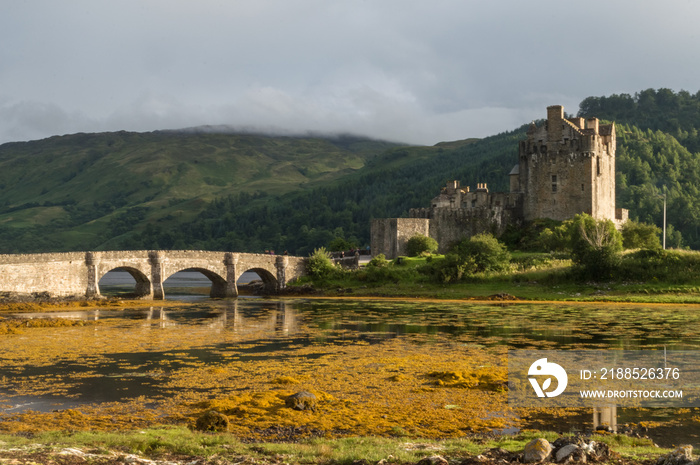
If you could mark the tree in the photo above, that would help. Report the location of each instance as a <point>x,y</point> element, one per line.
<point>486,252</point>
<point>339,244</point>
<point>640,235</point>
<point>419,244</point>
<point>596,246</point>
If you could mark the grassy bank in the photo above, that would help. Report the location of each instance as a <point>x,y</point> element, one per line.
<point>671,278</point>
<point>181,445</point>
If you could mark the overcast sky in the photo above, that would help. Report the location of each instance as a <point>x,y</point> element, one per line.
<point>412,71</point>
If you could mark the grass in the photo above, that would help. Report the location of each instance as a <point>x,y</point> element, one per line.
<point>531,277</point>
<point>179,441</point>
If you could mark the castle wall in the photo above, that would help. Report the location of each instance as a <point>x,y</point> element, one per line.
<point>448,227</point>
<point>389,235</point>
<point>565,167</point>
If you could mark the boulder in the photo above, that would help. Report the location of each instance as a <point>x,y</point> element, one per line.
<point>682,455</point>
<point>212,421</point>
<point>433,460</point>
<point>302,400</point>
<point>565,452</point>
<point>537,451</point>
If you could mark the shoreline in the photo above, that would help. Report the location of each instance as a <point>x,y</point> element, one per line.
<point>26,304</point>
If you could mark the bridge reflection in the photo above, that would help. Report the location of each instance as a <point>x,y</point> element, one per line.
<point>277,318</point>
<point>272,319</point>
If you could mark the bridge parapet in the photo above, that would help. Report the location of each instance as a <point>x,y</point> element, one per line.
<point>79,273</point>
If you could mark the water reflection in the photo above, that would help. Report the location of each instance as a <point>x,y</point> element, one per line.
<point>605,418</point>
<point>252,329</point>
<point>276,319</point>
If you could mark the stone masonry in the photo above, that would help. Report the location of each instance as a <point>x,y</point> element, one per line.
<point>565,167</point>
<point>79,273</point>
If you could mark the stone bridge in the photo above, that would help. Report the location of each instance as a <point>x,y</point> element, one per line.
<point>79,273</point>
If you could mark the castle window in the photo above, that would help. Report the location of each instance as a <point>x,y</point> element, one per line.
<point>582,187</point>
<point>597,163</point>
<point>554,183</point>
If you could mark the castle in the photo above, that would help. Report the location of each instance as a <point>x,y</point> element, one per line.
<point>565,167</point>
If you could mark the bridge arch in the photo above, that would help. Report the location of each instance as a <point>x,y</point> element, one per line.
<point>269,280</point>
<point>78,273</point>
<point>219,285</point>
<point>143,286</point>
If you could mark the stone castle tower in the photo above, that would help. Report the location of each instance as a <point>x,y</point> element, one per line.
<point>565,167</point>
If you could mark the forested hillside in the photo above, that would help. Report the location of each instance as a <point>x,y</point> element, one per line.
<point>657,147</point>
<point>254,193</point>
<point>677,114</point>
<point>79,191</point>
<point>390,185</point>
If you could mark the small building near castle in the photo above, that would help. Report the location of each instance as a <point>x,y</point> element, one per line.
<point>565,167</point>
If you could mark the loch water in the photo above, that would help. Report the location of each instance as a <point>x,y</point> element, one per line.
<point>254,328</point>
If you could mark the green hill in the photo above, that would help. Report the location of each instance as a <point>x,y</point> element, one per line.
<point>253,193</point>
<point>75,192</point>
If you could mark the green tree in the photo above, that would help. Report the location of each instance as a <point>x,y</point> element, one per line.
<point>596,246</point>
<point>419,244</point>
<point>640,235</point>
<point>486,252</point>
<point>556,238</point>
<point>339,244</point>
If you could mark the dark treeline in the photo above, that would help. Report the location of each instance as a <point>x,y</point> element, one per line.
<point>677,114</point>
<point>389,186</point>
<point>657,150</point>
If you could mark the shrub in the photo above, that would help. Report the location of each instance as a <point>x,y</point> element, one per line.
<point>486,252</point>
<point>555,239</point>
<point>419,244</point>
<point>450,269</point>
<point>479,253</point>
<point>596,247</point>
<point>378,261</point>
<point>320,264</point>
<point>529,236</point>
<point>676,266</point>
<point>640,235</point>
<point>382,274</point>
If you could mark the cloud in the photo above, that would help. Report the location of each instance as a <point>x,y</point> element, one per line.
<point>419,72</point>
<point>26,120</point>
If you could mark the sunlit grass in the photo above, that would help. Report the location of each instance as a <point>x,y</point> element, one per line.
<point>184,442</point>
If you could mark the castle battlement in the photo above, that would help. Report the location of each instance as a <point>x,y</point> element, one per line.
<point>565,167</point>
